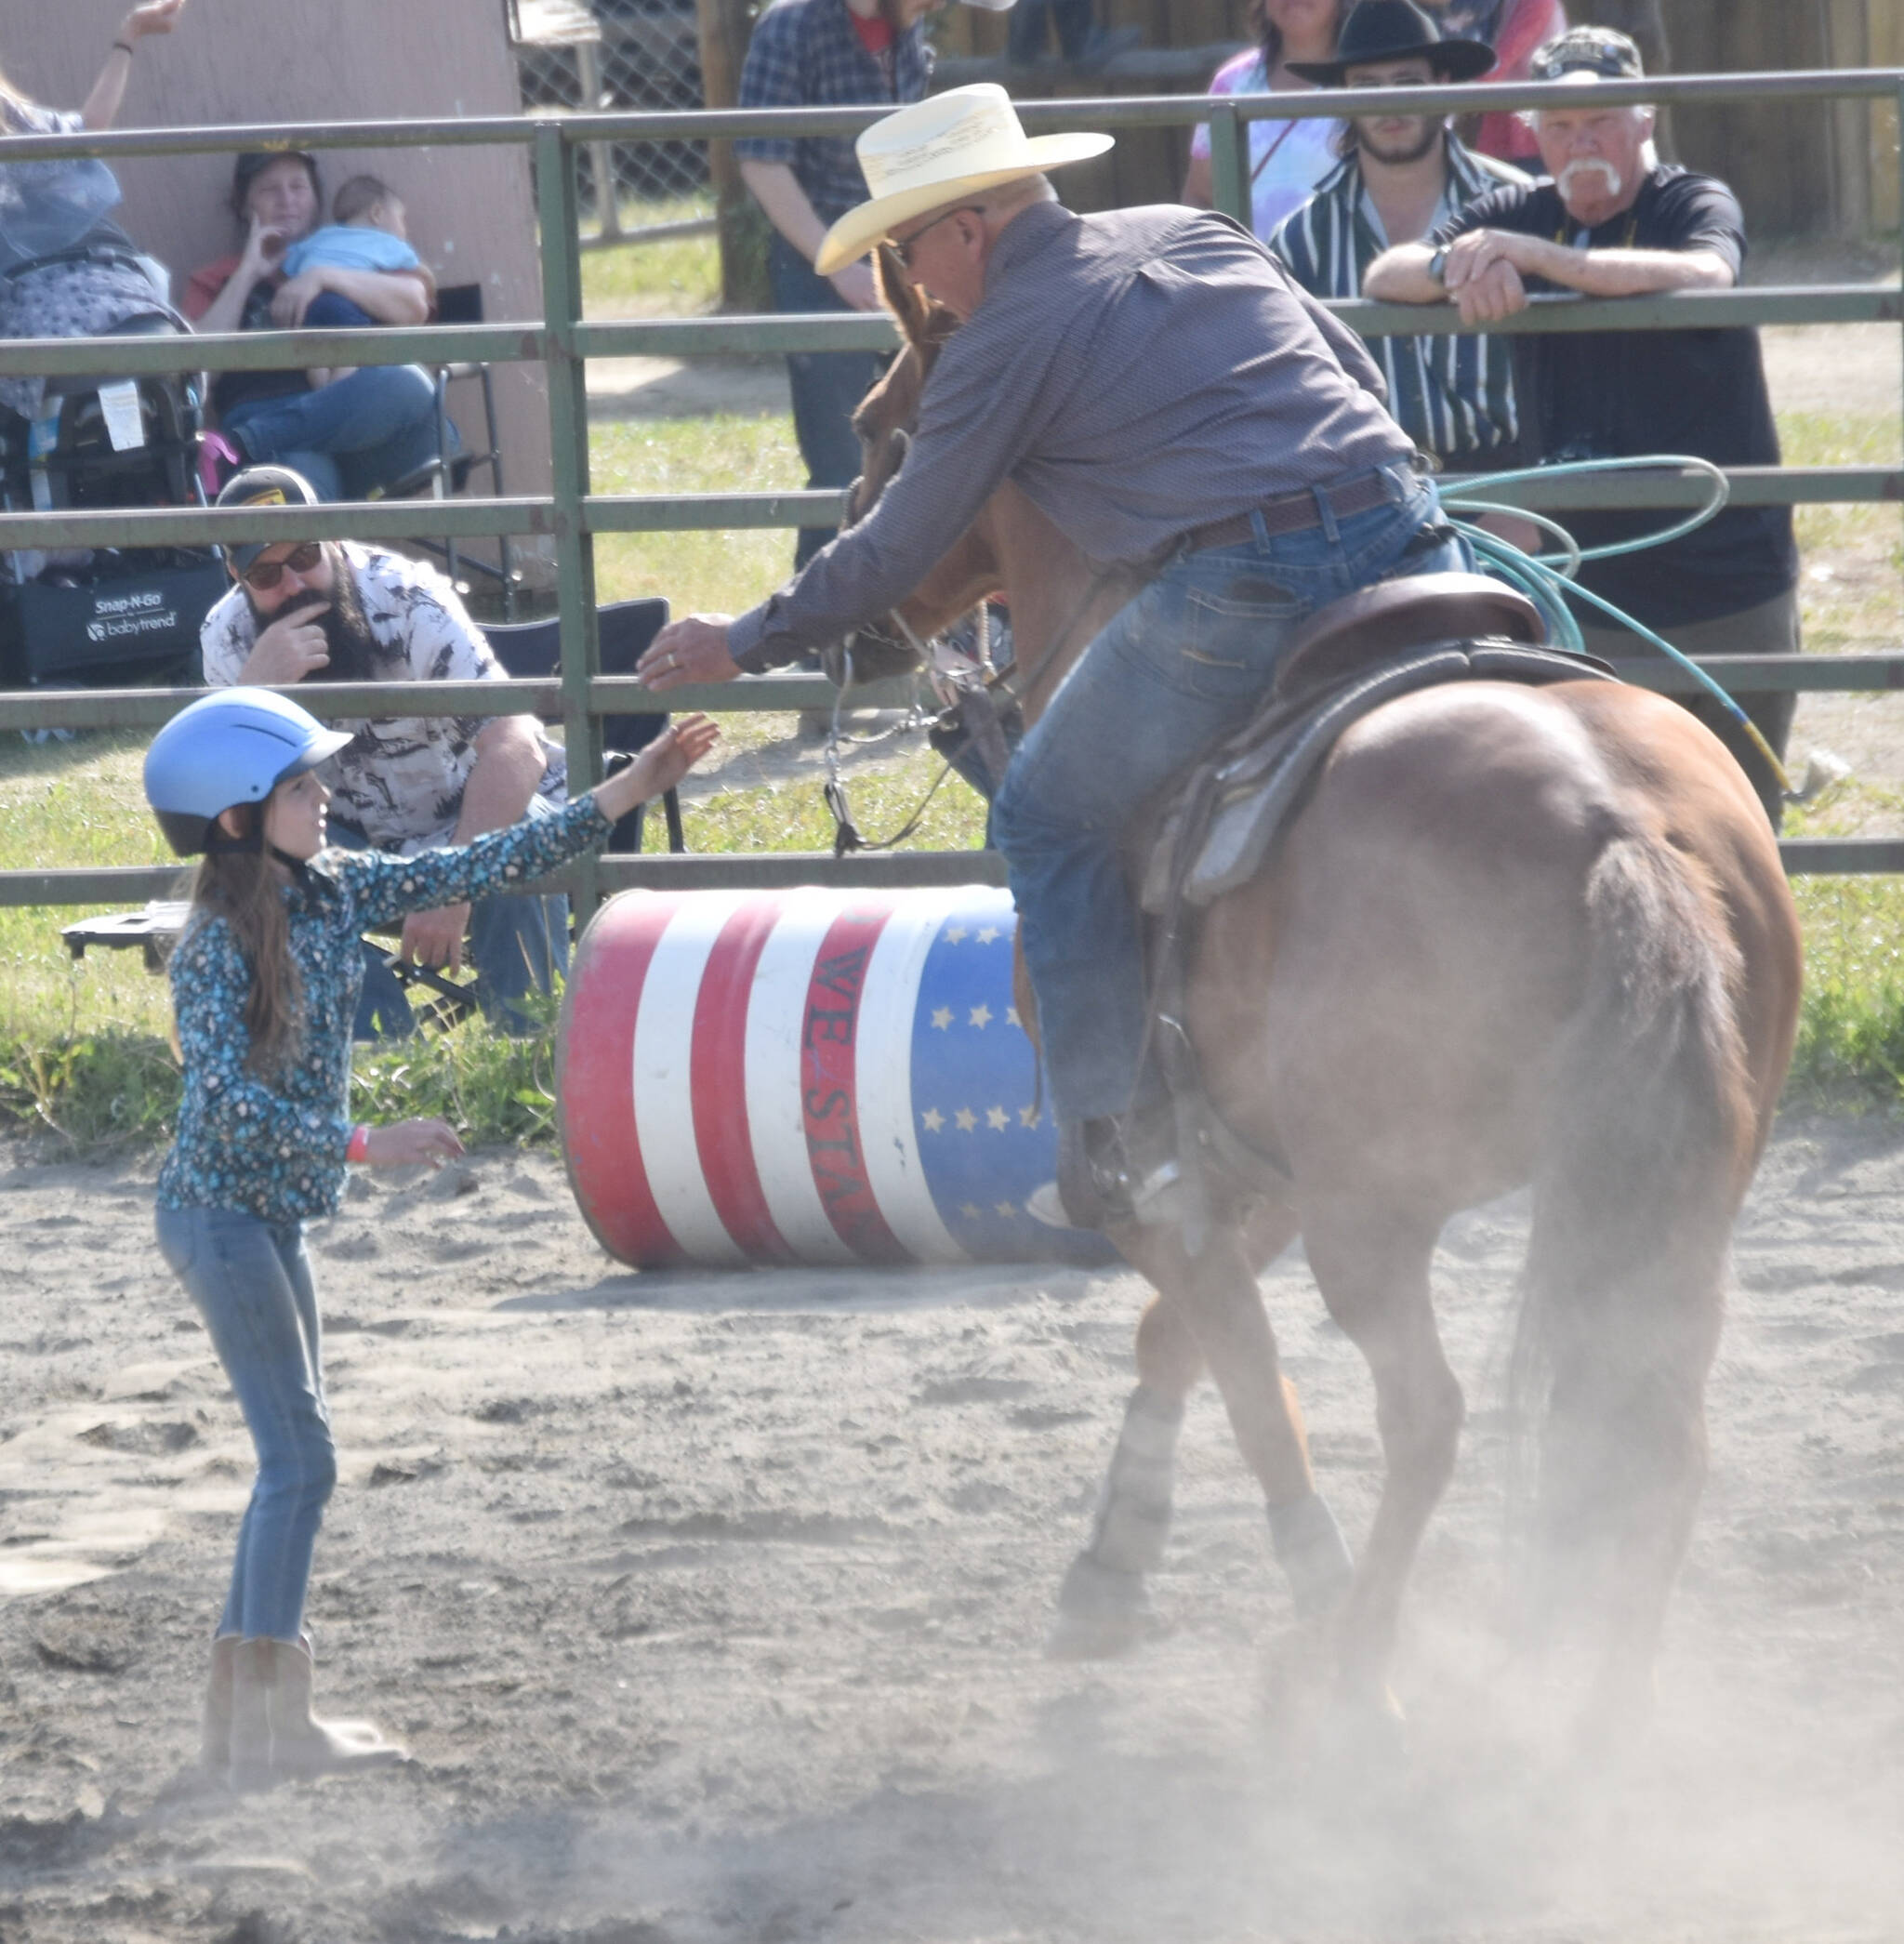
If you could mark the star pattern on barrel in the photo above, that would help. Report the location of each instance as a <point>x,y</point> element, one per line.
<point>983,1139</point>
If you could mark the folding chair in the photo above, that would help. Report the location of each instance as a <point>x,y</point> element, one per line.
<point>532,650</point>
<point>449,472</point>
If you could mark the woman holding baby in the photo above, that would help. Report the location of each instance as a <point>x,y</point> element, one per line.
<point>350,432</point>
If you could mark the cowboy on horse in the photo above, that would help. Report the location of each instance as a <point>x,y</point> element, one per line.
<point>1159,386</point>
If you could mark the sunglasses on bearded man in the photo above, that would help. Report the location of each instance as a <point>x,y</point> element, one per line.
<point>263,575</point>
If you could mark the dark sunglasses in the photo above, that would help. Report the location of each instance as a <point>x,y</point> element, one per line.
<point>265,575</point>
<point>904,250</point>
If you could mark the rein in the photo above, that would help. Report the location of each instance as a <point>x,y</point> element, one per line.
<point>996,693</point>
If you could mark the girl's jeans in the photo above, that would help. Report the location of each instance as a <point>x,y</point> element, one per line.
<point>251,1282</point>
<point>1176,670</point>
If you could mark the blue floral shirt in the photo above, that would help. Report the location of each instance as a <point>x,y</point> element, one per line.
<point>275,1149</point>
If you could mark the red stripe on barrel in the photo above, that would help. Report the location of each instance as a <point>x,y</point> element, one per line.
<point>595,1092</point>
<point>830,1104</point>
<point>723,1136</point>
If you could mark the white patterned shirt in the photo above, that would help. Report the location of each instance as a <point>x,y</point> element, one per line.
<point>400,779</point>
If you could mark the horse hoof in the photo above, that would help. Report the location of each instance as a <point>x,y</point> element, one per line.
<point>1367,1733</point>
<point>1102,1613</point>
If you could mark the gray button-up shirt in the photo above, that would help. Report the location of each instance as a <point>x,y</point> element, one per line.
<point>1137,374</point>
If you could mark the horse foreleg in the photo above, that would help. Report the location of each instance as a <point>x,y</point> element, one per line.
<point>1225,1308</point>
<point>1102,1605</point>
<point>1372,1270</point>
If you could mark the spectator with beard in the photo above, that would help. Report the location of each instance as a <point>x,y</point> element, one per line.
<point>1609,219</point>
<point>336,611</point>
<point>1400,175</point>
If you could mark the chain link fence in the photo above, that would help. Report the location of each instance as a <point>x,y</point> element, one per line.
<point>647,56</point>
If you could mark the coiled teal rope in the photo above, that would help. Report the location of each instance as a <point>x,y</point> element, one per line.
<point>1548,579</point>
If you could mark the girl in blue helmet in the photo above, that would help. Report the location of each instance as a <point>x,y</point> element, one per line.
<point>264,988</point>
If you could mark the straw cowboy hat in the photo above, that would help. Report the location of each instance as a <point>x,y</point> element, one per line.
<point>934,152</point>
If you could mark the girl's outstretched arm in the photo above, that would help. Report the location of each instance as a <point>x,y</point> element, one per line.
<point>386,888</point>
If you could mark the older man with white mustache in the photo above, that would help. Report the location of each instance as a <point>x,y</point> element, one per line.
<point>1610,220</point>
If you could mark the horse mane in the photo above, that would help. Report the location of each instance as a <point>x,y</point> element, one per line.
<point>924,323</point>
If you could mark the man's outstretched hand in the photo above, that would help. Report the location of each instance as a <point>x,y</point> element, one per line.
<point>691,650</point>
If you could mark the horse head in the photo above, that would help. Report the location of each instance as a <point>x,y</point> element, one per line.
<point>884,423</point>
<point>1058,600</point>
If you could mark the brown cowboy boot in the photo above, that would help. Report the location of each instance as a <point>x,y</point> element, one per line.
<point>303,1746</point>
<point>215,1738</point>
<point>248,1763</point>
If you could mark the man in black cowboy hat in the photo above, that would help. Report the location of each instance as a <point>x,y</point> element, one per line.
<point>1399,177</point>
<point>1610,220</point>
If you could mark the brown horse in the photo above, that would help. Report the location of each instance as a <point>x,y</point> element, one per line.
<point>1517,936</point>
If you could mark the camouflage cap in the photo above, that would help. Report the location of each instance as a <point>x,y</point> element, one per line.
<point>1587,50</point>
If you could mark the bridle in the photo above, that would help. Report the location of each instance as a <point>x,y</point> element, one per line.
<point>976,698</point>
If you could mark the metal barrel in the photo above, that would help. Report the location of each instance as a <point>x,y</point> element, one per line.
<point>808,1076</point>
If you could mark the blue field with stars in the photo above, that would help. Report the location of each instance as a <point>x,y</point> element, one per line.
<point>985,1135</point>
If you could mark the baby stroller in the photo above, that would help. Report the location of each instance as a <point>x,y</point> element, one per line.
<point>106,615</point>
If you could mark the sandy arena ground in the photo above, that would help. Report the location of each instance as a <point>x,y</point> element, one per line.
<point>711,1607</point>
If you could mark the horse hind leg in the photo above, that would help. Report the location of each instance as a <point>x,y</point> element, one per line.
<point>1640,1178</point>
<point>1372,1268</point>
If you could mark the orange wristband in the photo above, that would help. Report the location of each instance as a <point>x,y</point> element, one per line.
<point>359,1147</point>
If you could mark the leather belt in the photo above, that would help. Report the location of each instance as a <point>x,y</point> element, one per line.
<point>1291,513</point>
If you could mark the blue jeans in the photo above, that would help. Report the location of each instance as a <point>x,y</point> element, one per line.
<point>351,438</point>
<point>1026,40</point>
<point>1174,671</point>
<point>826,386</point>
<point>328,311</point>
<point>515,944</point>
<point>251,1282</point>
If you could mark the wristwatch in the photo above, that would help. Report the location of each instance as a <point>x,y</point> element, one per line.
<point>1436,265</point>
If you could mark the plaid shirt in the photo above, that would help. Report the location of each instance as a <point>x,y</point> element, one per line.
<point>807,54</point>
<point>1453,395</point>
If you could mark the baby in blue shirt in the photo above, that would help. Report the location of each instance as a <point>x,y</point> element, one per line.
<point>366,232</point>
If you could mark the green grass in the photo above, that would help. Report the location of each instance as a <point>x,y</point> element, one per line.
<point>82,1051</point>
<point>700,573</point>
<point>1851,1035</point>
<point>680,277</point>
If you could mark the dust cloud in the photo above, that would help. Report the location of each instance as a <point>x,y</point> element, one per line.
<point>710,1608</point>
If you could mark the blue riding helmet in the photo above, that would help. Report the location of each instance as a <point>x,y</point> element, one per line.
<point>232,747</point>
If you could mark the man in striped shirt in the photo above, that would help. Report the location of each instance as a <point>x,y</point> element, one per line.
<point>1399,177</point>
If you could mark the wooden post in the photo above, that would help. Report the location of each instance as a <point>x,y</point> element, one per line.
<point>725,27</point>
<point>601,153</point>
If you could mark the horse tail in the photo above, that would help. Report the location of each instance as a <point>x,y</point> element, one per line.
<point>1646,1159</point>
